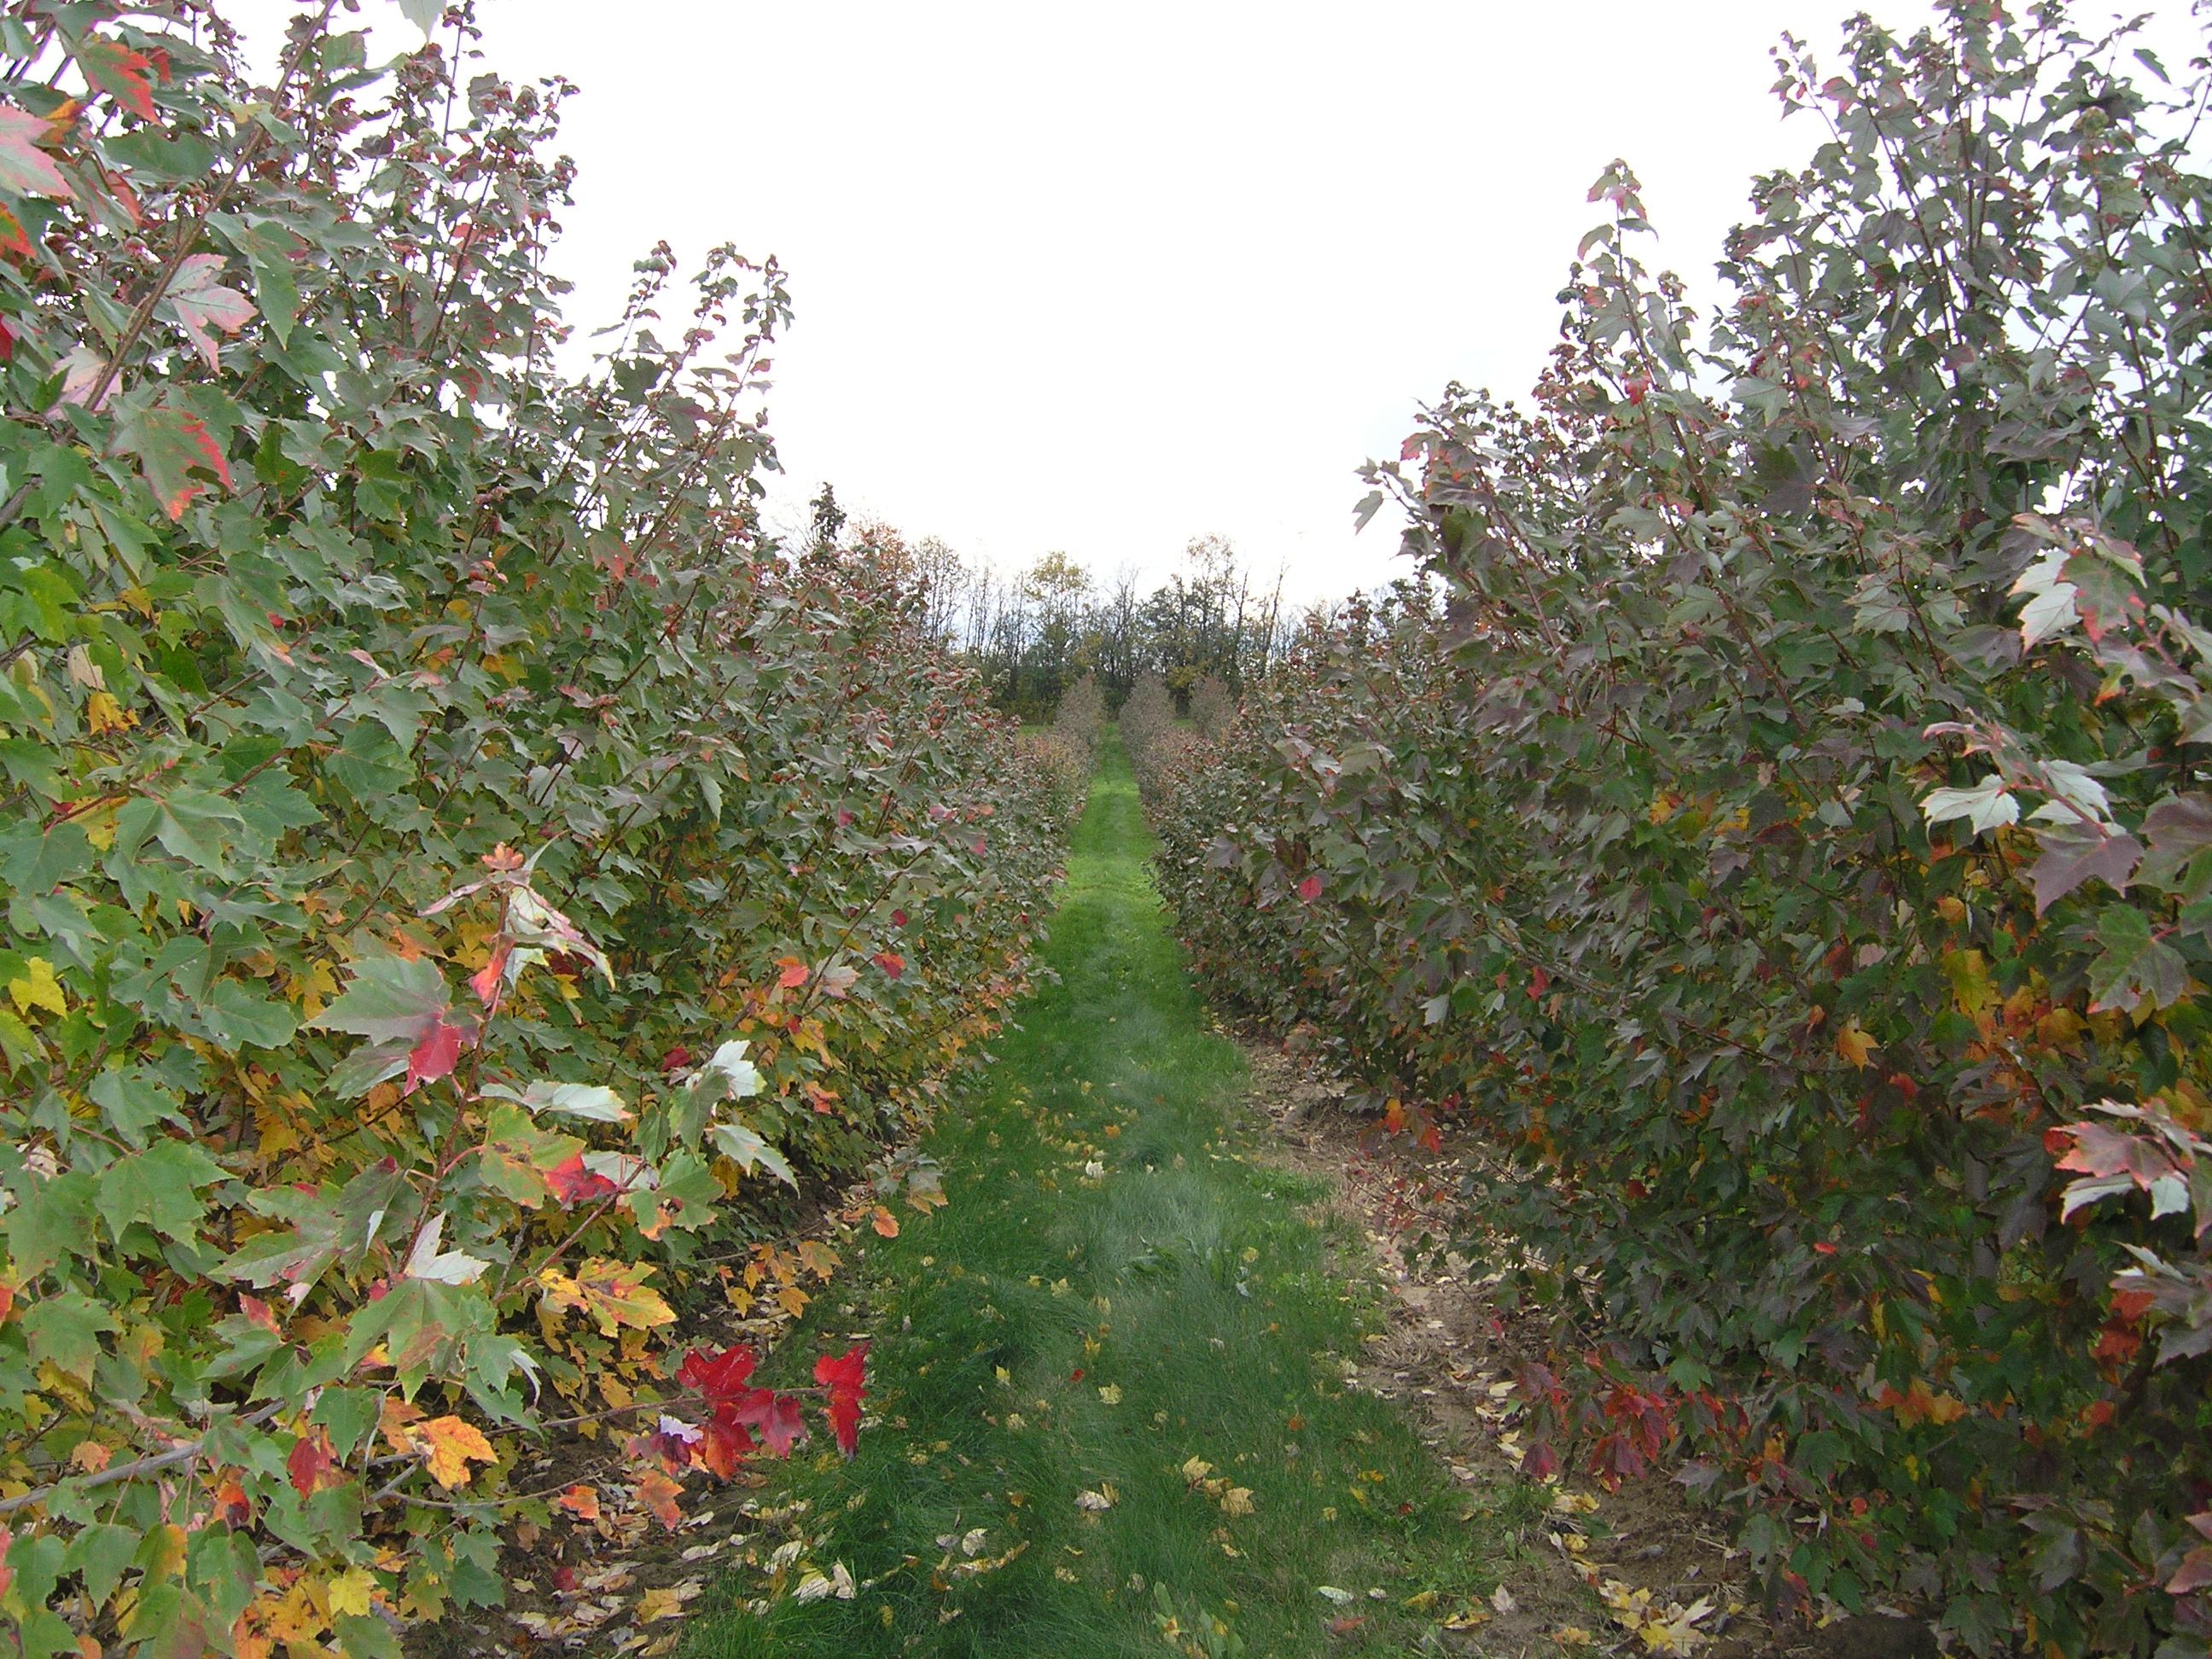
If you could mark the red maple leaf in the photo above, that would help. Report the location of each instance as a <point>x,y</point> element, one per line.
<point>312,1466</point>
<point>776,1416</point>
<point>1309,889</point>
<point>434,1054</point>
<point>572,1183</point>
<point>845,1377</point>
<point>892,962</point>
<point>721,1377</point>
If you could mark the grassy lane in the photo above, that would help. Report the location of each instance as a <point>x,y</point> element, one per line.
<point>1058,1352</point>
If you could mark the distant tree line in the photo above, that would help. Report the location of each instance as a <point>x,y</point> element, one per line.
<point>1035,632</point>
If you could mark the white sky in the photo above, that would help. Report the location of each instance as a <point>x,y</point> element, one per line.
<point>1104,278</point>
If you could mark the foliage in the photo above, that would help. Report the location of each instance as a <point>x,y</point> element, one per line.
<point>1786,822</point>
<point>1081,716</point>
<point>460,873</point>
<point>1150,732</point>
<point>1067,751</point>
<point>1213,706</point>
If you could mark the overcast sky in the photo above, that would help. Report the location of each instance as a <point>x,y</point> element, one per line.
<point>1104,278</point>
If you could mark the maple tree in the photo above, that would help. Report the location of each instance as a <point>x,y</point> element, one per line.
<point>412,758</point>
<point>1776,819</point>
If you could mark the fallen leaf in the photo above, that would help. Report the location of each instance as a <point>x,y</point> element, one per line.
<point>657,1493</point>
<point>582,1501</point>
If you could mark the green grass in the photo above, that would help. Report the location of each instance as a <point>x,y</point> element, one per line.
<point>1193,1278</point>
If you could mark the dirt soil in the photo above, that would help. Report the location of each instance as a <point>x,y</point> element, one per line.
<point>1601,1571</point>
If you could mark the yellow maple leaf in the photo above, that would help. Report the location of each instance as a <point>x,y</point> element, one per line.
<point>39,989</point>
<point>1237,1500</point>
<point>352,1590</point>
<point>1854,1045</point>
<point>313,988</point>
<point>103,714</point>
<point>296,1617</point>
<point>1969,974</point>
<point>614,1293</point>
<point>447,1444</point>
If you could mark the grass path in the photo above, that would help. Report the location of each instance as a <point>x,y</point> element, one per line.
<point>1053,1334</point>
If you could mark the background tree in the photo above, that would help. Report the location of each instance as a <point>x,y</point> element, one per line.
<point>828,521</point>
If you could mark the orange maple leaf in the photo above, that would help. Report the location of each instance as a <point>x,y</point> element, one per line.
<point>1921,1404</point>
<point>582,1501</point>
<point>447,1444</point>
<point>659,1494</point>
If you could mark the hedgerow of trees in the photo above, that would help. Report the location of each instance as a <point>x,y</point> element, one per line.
<point>1780,822</point>
<point>461,877</point>
<point>1035,633</point>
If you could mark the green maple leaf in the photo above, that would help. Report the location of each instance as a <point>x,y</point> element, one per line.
<point>156,1187</point>
<point>65,1328</point>
<point>743,1147</point>
<point>2134,966</point>
<point>390,998</point>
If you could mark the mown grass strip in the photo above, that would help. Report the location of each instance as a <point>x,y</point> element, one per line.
<point>1054,1334</point>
